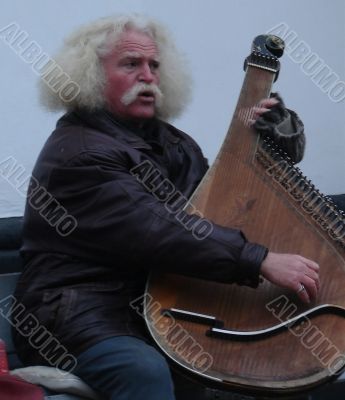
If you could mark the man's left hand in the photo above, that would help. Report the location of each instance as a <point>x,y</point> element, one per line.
<point>264,106</point>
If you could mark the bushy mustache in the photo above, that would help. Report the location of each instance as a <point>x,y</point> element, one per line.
<point>132,93</point>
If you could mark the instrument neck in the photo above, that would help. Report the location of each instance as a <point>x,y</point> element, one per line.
<point>241,140</point>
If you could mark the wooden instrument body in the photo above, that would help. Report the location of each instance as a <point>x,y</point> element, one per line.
<point>250,188</point>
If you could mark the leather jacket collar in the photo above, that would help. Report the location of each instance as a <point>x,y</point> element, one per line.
<point>106,122</point>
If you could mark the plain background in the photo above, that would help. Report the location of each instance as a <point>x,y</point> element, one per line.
<point>216,36</point>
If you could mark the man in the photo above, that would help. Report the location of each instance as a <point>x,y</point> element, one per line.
<point>79,283</point>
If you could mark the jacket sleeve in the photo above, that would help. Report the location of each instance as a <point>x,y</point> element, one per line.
<point>284,127</point>
<point>120,218</point>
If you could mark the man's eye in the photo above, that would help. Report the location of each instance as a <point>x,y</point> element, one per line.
<point>155,65</point>
<point>131,64</point>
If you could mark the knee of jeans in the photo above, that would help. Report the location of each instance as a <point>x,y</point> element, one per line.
<point>148,370</point>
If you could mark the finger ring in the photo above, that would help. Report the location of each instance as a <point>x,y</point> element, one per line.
<point>301,288</point>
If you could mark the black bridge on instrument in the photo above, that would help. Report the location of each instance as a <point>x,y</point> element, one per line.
<point>217,326</point>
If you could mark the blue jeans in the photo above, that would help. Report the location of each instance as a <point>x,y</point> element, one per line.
<point>126,368</point>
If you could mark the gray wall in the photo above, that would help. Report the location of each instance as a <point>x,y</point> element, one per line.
<point>216,35</point>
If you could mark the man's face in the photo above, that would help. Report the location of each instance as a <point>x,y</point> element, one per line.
<point>134,61</point>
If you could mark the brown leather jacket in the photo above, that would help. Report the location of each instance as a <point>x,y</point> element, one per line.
<point>94,226</point>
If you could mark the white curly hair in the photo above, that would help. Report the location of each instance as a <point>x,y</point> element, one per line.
<point>79,66</point>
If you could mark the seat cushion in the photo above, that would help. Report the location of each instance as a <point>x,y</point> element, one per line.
<point>11,233</point>
<point>10,242</point>
<point>7,286</point>
<point>10,261</point>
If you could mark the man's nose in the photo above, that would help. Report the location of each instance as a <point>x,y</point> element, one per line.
<point>146,74</point>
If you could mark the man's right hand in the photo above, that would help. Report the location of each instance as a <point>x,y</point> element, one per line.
<point>292,272</point>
